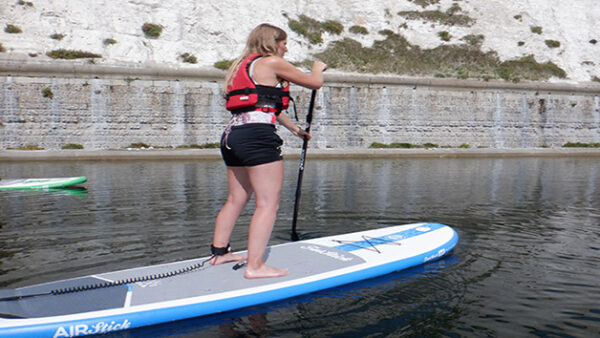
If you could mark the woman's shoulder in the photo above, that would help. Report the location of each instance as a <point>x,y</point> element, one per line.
<point>272,59</point>
<point>275,62</point>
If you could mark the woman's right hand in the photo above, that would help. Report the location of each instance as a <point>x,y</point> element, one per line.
<point>319,66</point>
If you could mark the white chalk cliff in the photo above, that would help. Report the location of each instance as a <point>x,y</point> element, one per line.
<point>215,30</point>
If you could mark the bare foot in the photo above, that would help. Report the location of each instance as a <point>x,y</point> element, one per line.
<point>228,257</point>
<point>265,271</point>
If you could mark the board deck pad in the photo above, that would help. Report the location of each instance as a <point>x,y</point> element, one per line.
<point>168,292</point>
<point>41,183</point>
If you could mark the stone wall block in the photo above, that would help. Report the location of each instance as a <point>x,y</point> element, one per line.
<point>112,113</point>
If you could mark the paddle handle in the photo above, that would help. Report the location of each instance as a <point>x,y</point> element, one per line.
<point>309,117</point>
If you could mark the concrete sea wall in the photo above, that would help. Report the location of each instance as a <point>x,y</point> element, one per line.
<point>110,107</point>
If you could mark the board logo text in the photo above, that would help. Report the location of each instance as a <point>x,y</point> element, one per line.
<point>327,253</point>
<point>84,329</point>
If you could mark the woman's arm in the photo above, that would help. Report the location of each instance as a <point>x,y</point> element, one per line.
<point>291,126</point>
<point>287,71</point>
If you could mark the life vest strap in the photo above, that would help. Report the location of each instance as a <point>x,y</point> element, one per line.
<point>262,109</point>
<point>262,90</point>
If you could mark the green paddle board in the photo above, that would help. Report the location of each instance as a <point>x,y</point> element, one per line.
<point>41,183</point>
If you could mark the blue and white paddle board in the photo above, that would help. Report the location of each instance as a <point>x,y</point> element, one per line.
<point>41,183</point>
<point>132,298</point>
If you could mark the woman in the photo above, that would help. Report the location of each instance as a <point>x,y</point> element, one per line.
<point>250,146</point>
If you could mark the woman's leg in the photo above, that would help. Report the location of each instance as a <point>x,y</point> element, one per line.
<point>266,181</point>
<point>240,192</point>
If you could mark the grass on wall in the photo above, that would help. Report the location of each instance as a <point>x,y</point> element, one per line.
<point>445,36</point>
<point>396,55</point>
<point>12,29</point>
<point>313,29</point>
<point>214,145</point>
<point>72,146</point>
<point>473,39</point>
<point>448,18</point>
<point>47,92</point>
<point>552,43</point>
<point>189,58</point>
<point>223,64</point>
<point>528,68</point>
<point>425,3</point>
<point>358,30</point>
<point>152,30</point>
<point>25,3</point>
<point>536,29</point>
<point>581,145</point>
<point>71,54</point>
<point>28,147</point>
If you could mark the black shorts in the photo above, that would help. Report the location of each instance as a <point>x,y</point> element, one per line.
<point>251,144</point>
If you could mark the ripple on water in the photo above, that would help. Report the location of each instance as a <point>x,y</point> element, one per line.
<point>526,263</point>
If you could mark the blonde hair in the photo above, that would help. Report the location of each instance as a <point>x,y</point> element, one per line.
<point>262,40</point>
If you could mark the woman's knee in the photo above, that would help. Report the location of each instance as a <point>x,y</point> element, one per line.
<point>268,205</point>
<point>240,200</point>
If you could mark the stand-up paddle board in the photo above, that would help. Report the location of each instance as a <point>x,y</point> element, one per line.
<point>157,294</point>
<point>41,183</point>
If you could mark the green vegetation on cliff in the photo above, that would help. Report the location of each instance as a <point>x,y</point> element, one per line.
<point>313,29</point>
<point>71,54</point>
<point>448,18</point>
<point>396,55</point>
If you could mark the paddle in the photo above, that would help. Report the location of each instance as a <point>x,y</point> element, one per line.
<point>309,116</point>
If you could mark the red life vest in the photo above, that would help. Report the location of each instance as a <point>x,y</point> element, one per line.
<point>243,94</point>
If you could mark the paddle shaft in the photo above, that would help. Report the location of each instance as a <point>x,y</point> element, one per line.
<point>309,117</point>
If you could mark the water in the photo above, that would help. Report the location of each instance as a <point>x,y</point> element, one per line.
<point>526,263</point>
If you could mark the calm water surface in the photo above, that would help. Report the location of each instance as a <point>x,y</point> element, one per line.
<point>527,263</point>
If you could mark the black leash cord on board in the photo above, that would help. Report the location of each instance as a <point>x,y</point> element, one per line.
<point>101,285</point>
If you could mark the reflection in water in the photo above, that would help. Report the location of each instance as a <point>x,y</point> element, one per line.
<point>526,262</point>
<point>70,191</point>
